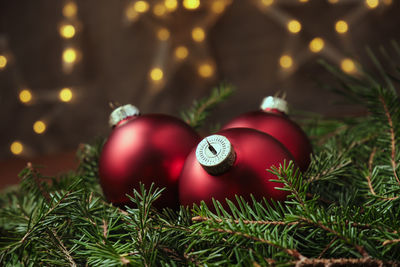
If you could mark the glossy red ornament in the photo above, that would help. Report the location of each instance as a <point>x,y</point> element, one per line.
<point>148,148</point>
<point>241,170</point>
<point>272,119</point>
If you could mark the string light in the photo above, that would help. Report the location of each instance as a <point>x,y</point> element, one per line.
<point>181,52</point>
<point>198,34</point>
<point>16,148</point>
<point>69,10</point>
<point>67,31</point>
<point>372,3</point>
<point>218,6</point>
<point>163,34</point>
<point>205,70</point>
<point>156,74</point>
<point>341,26</point>
<point>141,6</point>
<point>316,44</point>
<point>25,96</point>
<point>39,127</point>
<point>294,26</point>
<point>191,4</point>
<point>171,5</point>
<point>267,2</point>
<point>286,61</point>
<point>159,10</point>
<point>69,55</point>
<point>348,65</point>
<point>65,95</point>
<point>3,62</point>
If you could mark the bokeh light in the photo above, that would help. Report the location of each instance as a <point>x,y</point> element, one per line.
<point>67,31</point>
<point>294,26</point>
<point>347,65</point>
<point>191,4</point>
<point>156,74</point>
<point>39,127</point>
<point>181,52</point>
<point>16,148</point>
<point>316,44</point>
<point>198,34</point>
<point>65,95</point>
<point>286,61</point>
<point>341,26</point>
<point>25,96</point>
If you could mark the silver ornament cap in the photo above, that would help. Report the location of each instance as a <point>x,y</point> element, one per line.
<point>215,154</point>
<point>272,102</point>
<point>122,113</point>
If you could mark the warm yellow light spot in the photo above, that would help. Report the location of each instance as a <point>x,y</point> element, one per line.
<point>286,61</point>
<point>39,127</point>
<point>65,95</point>
<point>267,2</point>
<point>348,65</point>
<point>141,6</point>
<point>25,96</point>
<point>171,5</point>
<point>67,31</point>
<point>3,62</point>
<point>163,34</point>
<point>303,1</point>
<point>191,4</point>
<point>341,26</point>
<point>316,44</point>
<point>294,26</point>
<point>205,70</point>
<point>69,55</point>
<point>372,3</point>
<point>218,6</point>
<point>198,34</point>
<point>181,52</point>
<point>333,1</point>
<point>156,74</point>
<point>16,148</point>
<point>70,9</point>
<point>131,13</point>
<point>159,10</point>
<point>387,2</point>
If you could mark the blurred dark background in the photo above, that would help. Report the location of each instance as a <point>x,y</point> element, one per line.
<point>62,62</point>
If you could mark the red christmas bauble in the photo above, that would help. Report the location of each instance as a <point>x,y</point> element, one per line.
<point>232,162</point>
<point>148,148</point>
<point>273,121</point>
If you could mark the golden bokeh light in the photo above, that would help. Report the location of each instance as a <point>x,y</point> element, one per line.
<point>303,1</point>
<point>130,13</point>
<point>333,1</point>
<point>156,74</point>
<point>267,2</point>
<point>198,34</point>
<point>69,55</point>
<point>205,70</point>
<point>372,3</point>
<point>181,52</point>
<point>294,26</point>
<point>141,6</point>
<point>347,65</point>
<point>65,95</point>
<point>341,26</point>
<point>67,31</point>
<point>171,5</point>
<point>316,44</point>
<point>159,10</point>
<point>3,61</point>
<point>191,4</point>
<point>286,61</point>
<point>70,9</point>
<point>25,96</point>
<point>16,148</point>
<point>39,127</point>
<point>163,34</point>
<point>218,6</point>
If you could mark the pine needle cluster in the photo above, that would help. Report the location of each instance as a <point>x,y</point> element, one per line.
<point>343,211</point>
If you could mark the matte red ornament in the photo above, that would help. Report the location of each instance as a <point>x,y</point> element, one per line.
<point>232,162</point>
<point>148,148</point>
<point>272,119</point>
